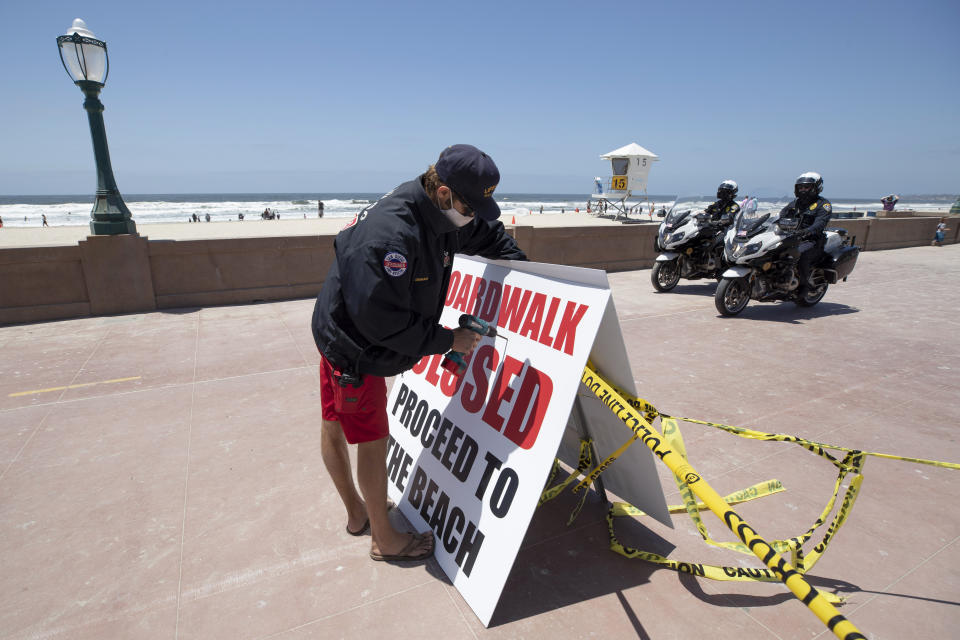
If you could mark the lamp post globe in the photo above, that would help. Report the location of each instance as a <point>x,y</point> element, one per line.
<point>85,60</point>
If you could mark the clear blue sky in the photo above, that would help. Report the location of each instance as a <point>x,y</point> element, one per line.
<point>319,96</point>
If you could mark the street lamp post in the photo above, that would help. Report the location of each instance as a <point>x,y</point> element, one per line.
<point>85,59</point>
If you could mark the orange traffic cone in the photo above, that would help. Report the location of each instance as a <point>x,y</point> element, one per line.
<point>513,220</point>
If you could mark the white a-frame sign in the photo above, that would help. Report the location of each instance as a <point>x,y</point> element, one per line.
<point>468,456</point>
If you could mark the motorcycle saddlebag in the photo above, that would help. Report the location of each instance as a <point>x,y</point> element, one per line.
<point>846,261</point>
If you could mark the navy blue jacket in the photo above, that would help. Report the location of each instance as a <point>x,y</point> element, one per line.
<point>379,309</point>
<point>723,213</point>
<point>813,218</point>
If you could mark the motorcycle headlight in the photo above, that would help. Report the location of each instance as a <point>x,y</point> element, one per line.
<point>677,237</point>
<point>752,248</point>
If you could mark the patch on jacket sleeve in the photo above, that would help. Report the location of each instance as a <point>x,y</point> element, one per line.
<point>395,264</point>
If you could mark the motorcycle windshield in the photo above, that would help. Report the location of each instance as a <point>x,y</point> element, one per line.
<point>754,212</point>
<point>683,208</point>
<point>775,205</point>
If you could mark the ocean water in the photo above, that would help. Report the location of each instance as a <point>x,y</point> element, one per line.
<point>27,211</point>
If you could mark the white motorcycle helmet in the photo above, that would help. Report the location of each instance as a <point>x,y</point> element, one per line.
<point>808,187</point>
<point>727,190</point>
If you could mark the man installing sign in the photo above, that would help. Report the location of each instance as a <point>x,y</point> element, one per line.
<point>378,314</point>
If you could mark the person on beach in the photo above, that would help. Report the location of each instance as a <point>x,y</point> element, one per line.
<point>812,213</point>
<point>378,314</point>
<point>940,233</point>
<point>319,208</point>
<point>44,216</point>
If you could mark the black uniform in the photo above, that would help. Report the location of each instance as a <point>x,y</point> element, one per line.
<point>812,220</point>
<point>722,212</point>
<point>379,308</point>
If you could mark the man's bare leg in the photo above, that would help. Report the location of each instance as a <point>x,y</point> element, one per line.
<point>333,449</point>
<point>372,476</point>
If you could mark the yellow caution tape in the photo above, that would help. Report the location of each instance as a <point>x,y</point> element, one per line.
<point>586,459</point>
<point>670,446</point>
<point>816,447</point>
<point>712,572</point>
<point>759,490</point>
<point>651,413</point>
<point>692,508</point>
<point>637,416</point>
<point>600,468</point>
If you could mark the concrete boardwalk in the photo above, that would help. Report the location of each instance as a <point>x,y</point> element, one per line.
<point>160,476</point>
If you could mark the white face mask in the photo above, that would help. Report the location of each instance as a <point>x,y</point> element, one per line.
<point>454,216</point>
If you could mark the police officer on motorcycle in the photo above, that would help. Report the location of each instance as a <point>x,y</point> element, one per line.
<point>723,212</point>
<point>812,213</point>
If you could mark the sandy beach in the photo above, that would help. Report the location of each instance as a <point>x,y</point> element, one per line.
<point>56,236</point>
<point>69,235</point>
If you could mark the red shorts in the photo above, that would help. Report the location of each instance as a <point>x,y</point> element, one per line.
<point>361,411</point>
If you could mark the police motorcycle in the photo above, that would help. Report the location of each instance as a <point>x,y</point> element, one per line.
<point>762,251</point>
<point>688,245</point>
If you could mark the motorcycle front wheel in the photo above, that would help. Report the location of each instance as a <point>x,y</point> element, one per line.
<point>732,296</point>
<point>665,275</point>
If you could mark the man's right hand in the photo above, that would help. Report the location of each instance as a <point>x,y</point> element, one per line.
<point>464,340</point>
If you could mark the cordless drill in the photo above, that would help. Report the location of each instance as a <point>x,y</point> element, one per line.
<point>453,361</point>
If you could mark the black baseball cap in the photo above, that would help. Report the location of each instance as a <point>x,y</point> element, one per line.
<point>473,175</point>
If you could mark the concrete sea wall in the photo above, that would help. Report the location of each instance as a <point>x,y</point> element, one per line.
<point>122,274</point>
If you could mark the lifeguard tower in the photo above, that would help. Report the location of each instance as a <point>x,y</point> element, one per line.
<point>630,166</point>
